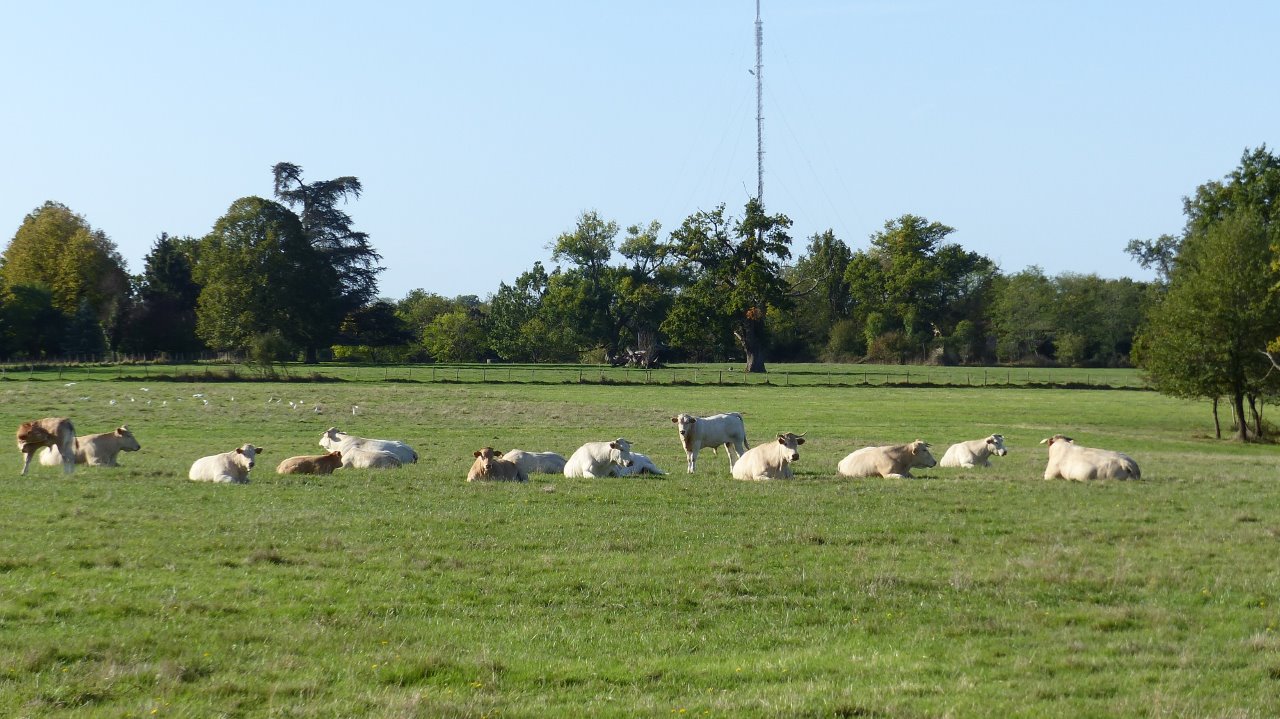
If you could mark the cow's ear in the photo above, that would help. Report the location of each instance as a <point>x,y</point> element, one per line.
<point>120,431</point>
<point>613,445</point>
<point>475,453</point>
<point>496,453</point>
<point>799,440</point>
<point>675,419</point>
<point>239,450</point>
<point>259,450</point>
<point>782,440</point>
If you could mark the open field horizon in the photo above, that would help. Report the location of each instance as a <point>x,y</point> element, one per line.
<point>134,592</point>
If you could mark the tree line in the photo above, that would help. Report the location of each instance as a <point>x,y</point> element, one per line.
<point>290,277</point>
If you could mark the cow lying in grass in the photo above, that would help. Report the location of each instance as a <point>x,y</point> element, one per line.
<point>1069,460</point>
<point>96,450</point>
<point>490,465</point>
<point>311,464</point>
<point>228,468</point>
<point>893,460</point>
<point>771,460</point>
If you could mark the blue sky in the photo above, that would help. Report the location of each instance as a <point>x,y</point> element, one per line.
<point>1046,133</point>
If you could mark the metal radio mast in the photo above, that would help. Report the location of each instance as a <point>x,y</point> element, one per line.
<point>759,107</point>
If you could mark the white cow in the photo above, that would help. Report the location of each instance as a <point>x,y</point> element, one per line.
<point>597,459</point>
<point>893,460</point>
<point>536,462</point>
<point>1068,460</point>
<point>713,431</point>
<point>229,467</point>
<point>369,459</point>
<point>641,464</point>
<point>771,460</point>
<point>974,453</point>
<point>96,450</point>
<point>334,438</point>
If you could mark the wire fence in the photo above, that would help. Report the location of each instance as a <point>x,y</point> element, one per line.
<point>780,376</point>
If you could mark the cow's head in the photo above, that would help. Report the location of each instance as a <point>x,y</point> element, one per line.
<point>685,424</point>
<point>792,442</point>
<point>332,436</point>
<point>250,452</point>
<point>995,444</point>
<point>922,456</point>
<point>1056,438</point>
<point>128,443</point>
<point>620,453</point>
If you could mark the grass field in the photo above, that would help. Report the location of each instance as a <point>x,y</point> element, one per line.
<point>409,593</point>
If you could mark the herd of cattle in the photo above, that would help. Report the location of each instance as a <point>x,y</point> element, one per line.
<point>55,440</point>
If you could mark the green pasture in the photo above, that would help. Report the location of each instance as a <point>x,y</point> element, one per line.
<point>410,593</point>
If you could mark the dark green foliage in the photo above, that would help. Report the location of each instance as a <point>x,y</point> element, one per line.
<point>30,326</point>
<point>163,319</point>
<point>734,271</point>
<point>259,273</point>
<point>917,284</point>
<point>329,230</point>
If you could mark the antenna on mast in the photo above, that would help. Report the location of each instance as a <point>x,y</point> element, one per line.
<point>759,108</point>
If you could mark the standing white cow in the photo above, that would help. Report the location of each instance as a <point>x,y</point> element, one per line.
<point>974,453</point>
<point>771,460</point>
<point>229,467</point>
<point>1069,460</point>
<point>718,429</point>
<point>597,459</point>
<point>334,438</point>
<point>893,460</point>
<point>536,462</point>
<point>96,450</point>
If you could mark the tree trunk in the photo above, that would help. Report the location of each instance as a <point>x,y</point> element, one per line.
<point>313,356</point>
<point>1242,424</point>
<point>751,338</point>
<point>1257,417</point>
<point>1217,425</point>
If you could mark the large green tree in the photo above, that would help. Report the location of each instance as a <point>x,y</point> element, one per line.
<point>259,273</point>
<point>822,296</point>
<point>579,299</point>
<point>57,249</point>
<point>330,230</point>
<point>911,281</point>
<point>735,276</point>
<point>163,318</point>
<point>1203,337</point>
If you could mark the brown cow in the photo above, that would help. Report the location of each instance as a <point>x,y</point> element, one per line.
<point>48,432</point>
<point>489,464</point>
<point>311,464</point>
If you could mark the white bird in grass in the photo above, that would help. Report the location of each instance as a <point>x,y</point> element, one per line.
<point>355,409</point>
<point>197,396</point>
<point>206,402</point>
<point>69,384</point>
<point>112,402</point>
